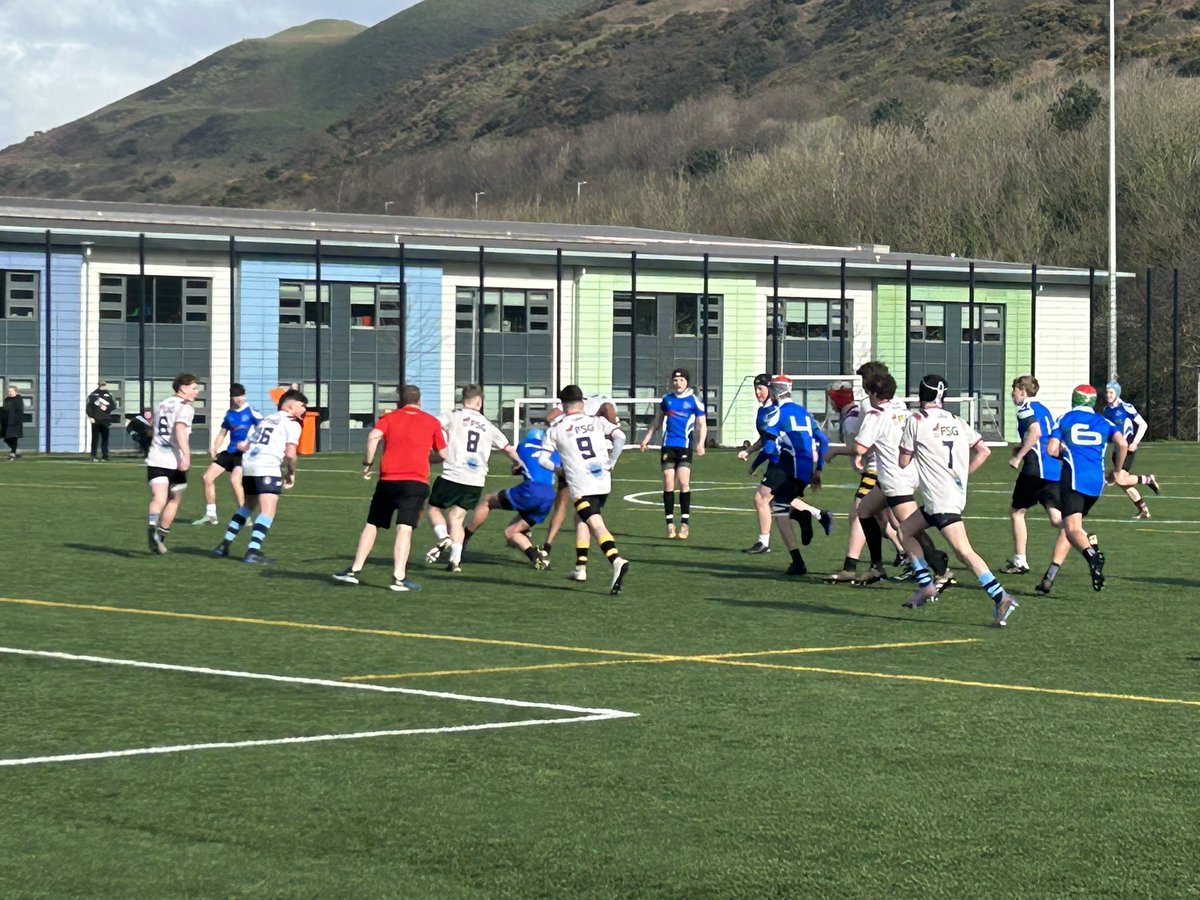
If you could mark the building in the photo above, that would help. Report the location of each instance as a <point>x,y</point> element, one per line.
<point>351,306</point>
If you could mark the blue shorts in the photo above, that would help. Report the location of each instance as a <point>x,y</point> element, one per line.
<point>532,501</point>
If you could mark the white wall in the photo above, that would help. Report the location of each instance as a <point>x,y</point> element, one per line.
<point>1061,350</point>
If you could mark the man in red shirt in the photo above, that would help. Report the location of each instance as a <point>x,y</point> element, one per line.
<point>409,437</point>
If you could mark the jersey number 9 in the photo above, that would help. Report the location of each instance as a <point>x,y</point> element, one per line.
<point>585,447</point>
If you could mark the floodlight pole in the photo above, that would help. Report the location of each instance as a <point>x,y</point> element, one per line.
<point>1112,189</point>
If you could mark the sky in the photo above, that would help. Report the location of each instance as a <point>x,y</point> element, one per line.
<point>62,59</point>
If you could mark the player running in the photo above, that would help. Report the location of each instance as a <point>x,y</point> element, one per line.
<point>945,451</point>
<point>768,411</point>
<point>530,500</point>
<point>593,405</point>
<point>684,433</point>
<point>268,468</point>
<point>169,458</point>
<point>1133,428</point>
<point>1080,439</point>
<point>1039,471</point>
<point>470,438</point>
<point>236,426</point>
<point>579,440</point>
<point>796,445</point>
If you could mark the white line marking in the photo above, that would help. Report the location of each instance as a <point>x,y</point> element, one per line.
<point>583,714</point>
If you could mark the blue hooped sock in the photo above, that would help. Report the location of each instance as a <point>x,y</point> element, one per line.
<point>991,585</point>
<point>921,572</point>
<point>259,534</point>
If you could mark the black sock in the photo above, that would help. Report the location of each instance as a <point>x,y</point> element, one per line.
<point>850,564</point>
<point>581,551</point>
<point>609,547</point>
<point>874,535</point>
<point>546,547</point>
<point>1052,572</point>
<point>532,553</point>
<point>804,517</point>
<point>669,506</point>
<point>685,506</point>
<point>796,557</point>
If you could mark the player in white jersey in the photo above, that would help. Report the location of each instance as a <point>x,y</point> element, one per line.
<point>169,458</point>
<point>945,451</point>
<point>581,442</point>
<point>593,405</point>
<point>470,438</point>
<point>268,468</point>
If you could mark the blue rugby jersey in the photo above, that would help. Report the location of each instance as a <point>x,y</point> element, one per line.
<point>1122,415</point>
<point>1084,435</point>
<point>797,440</point>
<point>680,412</point>
<point>538,474</point>
<point>238,423</point>
<point>1037,461</point>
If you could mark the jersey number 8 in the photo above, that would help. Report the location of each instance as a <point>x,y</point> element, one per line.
<point>472,441</point>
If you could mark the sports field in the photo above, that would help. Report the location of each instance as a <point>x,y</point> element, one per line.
<point>186,726</point>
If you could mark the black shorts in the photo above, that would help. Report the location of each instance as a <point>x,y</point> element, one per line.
<point>775,477</point>
<point>447,493</point>
<point>175,478</point>
<point>940,520</point>
<point>227,460</point>
<point>865,484</point>
<point>1031,490</point>
<point>590,506</point>
<point>789,491</point>
<point>1072,502</point>
<point>402,498</point>
<point>676,458</point>
<point>254,485</point>
<point>1128,467</point>
<point>893,502</point>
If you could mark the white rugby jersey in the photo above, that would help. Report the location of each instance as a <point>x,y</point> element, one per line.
<point>165,452</point>
<point>470,438</point>
<point>591,403</point>
<point>880,432</point>
<point>580,440</point>
<point>941,445</point>
<point>850,423</point>
<point>267,443</point>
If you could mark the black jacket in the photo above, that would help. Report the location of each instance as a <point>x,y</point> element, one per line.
<point>12,417</point>
<point>100,406</point>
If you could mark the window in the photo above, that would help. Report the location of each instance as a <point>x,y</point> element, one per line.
<point>158,390</point>
<point>388,307</point>
<point>690,312</point>
<point>362,305</point>
<point>298,304</point>
<point>361,408</point>
<point>807,320</point>
<point>927,322</point>
<point>387,398</point>
<point>168,300</point>
<point>20,295</point>
<point>988,324</point>
<point>505,310</point>
<point>644,319</point>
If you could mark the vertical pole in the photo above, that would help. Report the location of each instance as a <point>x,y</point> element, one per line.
<point>971,329</point>
<point>142,321</point>
<point>44,388</point>
<point>233,306</point>
<point>1092,322</point>
<point>776,338</point>
<point>479,331</point>
<point>1175,355</point>
<point>1033,292</point>
<point>907,322</point>
<point>558,282</point>
<point>704,340</point>
<point>402,315</point>
<point>842,341</point>
<point>1112,189</point>
<point>633,324</point>
<point>1149,316</point>
<point>320,321</point>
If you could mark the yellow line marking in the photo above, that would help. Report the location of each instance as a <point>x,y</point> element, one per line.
<point>344,629</point>
<point>797,650</point>
<point>930,679</point>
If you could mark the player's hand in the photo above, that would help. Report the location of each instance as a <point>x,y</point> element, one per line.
<point>700,450</point>
<point>184,465</point>
<point>289,482</point>
<point>1015,462</point>
<point>743,455</point>
<point>642,445</point>
<point>815,484</point>
<point>243,446</point>
<point>856,464</point>
<point>1133,448</point>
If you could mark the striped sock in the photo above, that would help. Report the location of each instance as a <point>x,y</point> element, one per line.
<point>609,547</point>
<point>991,585</point>
<point>259,533</point>
<point>236,523</point>
<point>921,572</point>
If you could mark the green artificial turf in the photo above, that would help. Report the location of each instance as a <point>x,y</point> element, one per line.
<point>1035,760</point>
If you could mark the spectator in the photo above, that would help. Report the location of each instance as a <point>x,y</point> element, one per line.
<point>141,429</point>
<point>100,408</point>
<point>12,421</point>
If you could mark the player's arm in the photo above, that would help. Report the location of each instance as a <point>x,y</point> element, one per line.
<point>980,451</point>
<point>617,436</point>
<point>860,451</point>
<point>609,411</point>
<point>752,448</point>
<point>1032,436</point>
<point>287,465</point>
<point>1142,427</point>
<point>908,441</point>
<point>701,432</point>
<point>215,446</point>
<point>1122,451</point>
<point>373,439</point>
<point>185,449</point>
<point>658,418</point>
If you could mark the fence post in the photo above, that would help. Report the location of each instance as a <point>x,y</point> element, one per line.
<point>1149,312</point>
<point>1175,355</point>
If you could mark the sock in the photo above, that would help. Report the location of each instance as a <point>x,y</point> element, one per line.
<point>804,517</point>
<point>850,564</point>
<point>467,532</point>
<point>532,553</point>
<point>581,552</point>
<point>1141,505</point>
<point>685,506</point>
<point>796,557</point>
<point>922,573</point>
<point>669,506</point>
<point>765,539</point>
<point>152,520</point>
<point>259,533</point>
<point>236,523</point>
<point>991,585</point>
<point>210,510</point>
<point>1052,572</point>
<point>441,532</point>
<point>163,533</point>
<point>1020,560</point>
<point>1092,556</point>
<point>546,547</point>
<point>609,547</point>
<point>874,535</point>
<point>456,553</point>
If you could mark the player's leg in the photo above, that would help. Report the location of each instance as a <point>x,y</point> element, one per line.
<point>441,498</point>
<point>400,551</point>
<point>409,498</point>
<point>558,515</point>
<point>912,529</point>
<point>160,487</point>
<point>583,541</point>
<point>518,533</point>
<point>668,496</point>
<point>781,510</point>
<point>235,482</point>
<point>762,511</point>
<point>480,514</point>
<point>870,509</point>
<point>455,516</point>
<point>268,502</point>
<point>174,497</point>
<point>683,475</point>
<point>891,531</point>
<point>955,533</point>
<point>211,474</point>
<point>239,519</point>
<point>1019,564</point>
<point>588,509</point>
<point>366,541</point>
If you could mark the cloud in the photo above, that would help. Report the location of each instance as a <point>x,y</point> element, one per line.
<point>63,59</point>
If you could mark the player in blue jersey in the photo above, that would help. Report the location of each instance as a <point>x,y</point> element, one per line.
<point>531,499</point>
<point>1080,439</point>
<point>685,429</point>
<point>236,426</point>
<point>1039,471</point>
<point>767,412</point>
<point>796,446</point>
<point>1133,427</point>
